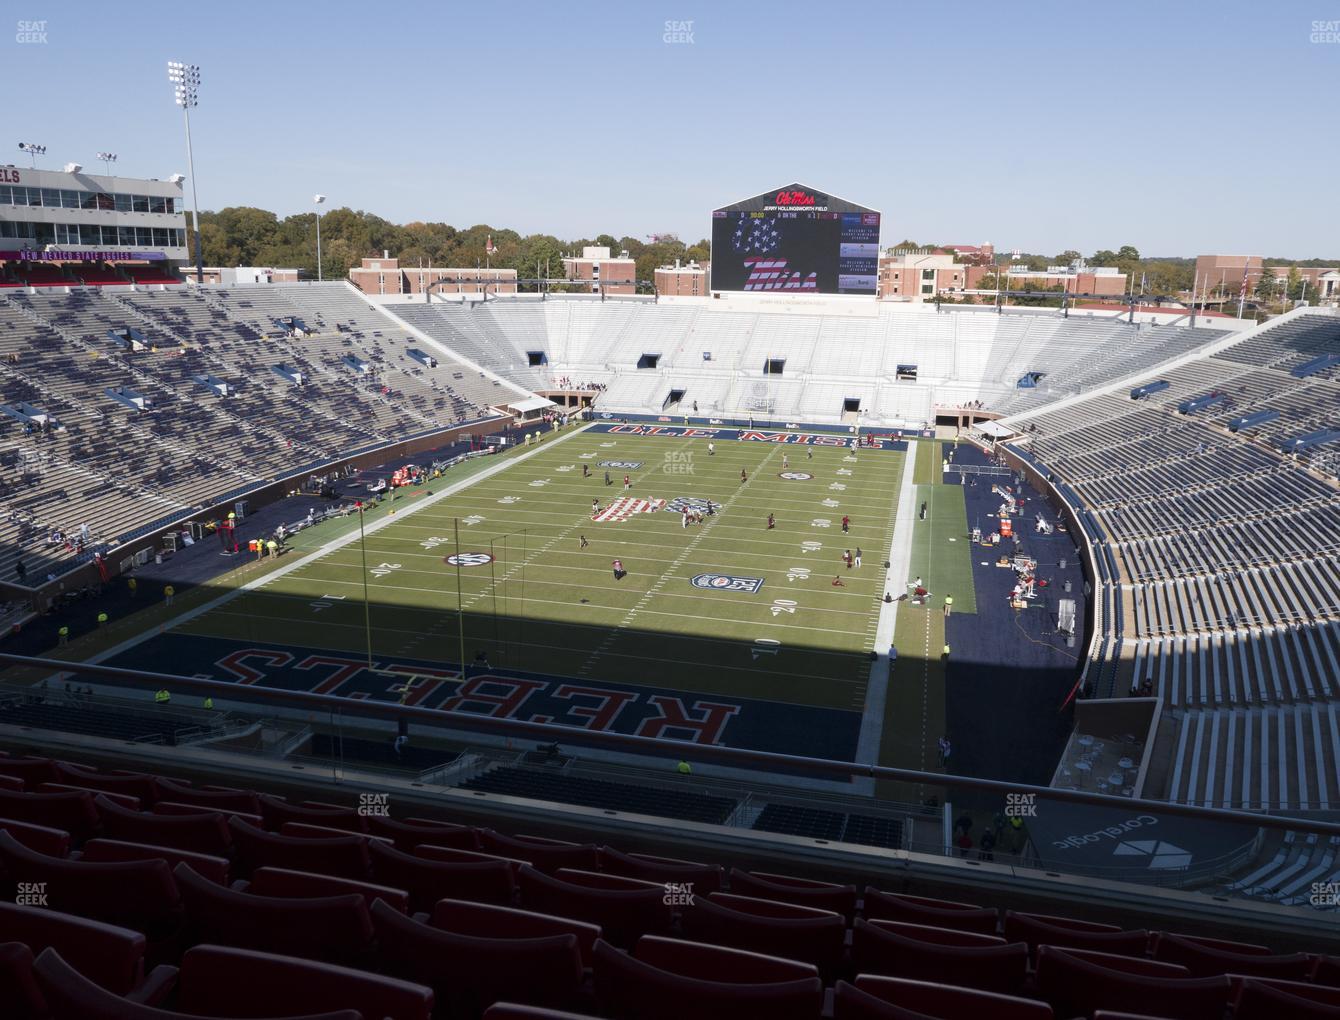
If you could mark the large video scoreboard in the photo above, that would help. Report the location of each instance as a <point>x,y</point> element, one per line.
<point>794,240</point>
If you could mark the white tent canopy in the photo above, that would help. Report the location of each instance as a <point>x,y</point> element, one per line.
<point>995,429</point>
<point>530,404</point>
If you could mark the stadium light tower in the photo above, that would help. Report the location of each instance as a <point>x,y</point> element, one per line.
<point>318,199</point>
<point>185,80</point>
<point>108,158</point>
<point>33,150</point>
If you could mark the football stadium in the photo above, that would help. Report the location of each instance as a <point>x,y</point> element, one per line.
<point>833,629</point>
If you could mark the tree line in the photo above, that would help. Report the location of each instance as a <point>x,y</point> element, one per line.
<point>247,236</point>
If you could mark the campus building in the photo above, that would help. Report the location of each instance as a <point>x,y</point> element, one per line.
<point>59,226</point>
<point>385,275</point>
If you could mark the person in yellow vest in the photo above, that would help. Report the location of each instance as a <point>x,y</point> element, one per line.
<point>945,653</point>
<point>162,697</point>
<point>133,585</point>
<point>63,634</point>
<point>949,605</point>
<point>168,592</point>
<point>102,619</point>
<point>684,768</point>
<point>208,703</point>
<point>272,547</point>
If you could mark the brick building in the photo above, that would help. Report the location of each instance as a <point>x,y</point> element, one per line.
<point>386,276</point>
<point>601,272</point>
<point>691,280</point>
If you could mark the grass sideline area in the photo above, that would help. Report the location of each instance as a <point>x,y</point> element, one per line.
<point>688,616</point>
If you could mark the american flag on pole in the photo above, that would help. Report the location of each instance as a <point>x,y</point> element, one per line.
<point>625,507</point>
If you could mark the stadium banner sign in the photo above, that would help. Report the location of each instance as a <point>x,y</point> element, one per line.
<point>889,441</point>
<point>80,255</point>
<point>805,730</point>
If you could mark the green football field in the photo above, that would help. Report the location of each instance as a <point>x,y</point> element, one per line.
<point>547,604</point>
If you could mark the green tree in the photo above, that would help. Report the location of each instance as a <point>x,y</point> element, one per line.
<point>1267,286</point>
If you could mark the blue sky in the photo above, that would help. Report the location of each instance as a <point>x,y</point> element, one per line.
<point>1042,126</point>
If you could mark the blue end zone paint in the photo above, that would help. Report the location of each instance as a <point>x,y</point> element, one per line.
<point>882,441</point>
<point>619,708</point>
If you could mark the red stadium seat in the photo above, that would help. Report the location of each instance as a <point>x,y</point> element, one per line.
<point>937,913</point>
<point>52,842</point>
<point>301,884</point>
<point>1140,965</point>
<point>70,812</point>
<point>31,770</point>
<point>139,895</point>
<point>430,881</point>
<point>276,812</point>
<point>624,914</point>
<point>630,987</point>
<point>516,1011</point>
<point>412,832</point>
<point>1204,959</point>
<point>335,929</point>
<point>112,957</point>
<point>228,801</point>
<point>1002,967</point>
<point>888,998</point>
<point>71,996</point>
<point>125,800</point>
<point>488,921</point>
<point>19,990</point>
<point>841,899</point>
<point>1328,971</point>
<point>198,833</point>
<point>10,782</point>
<point>546,855</point>
<point>451,855</point>
<point>140,785</point>
<point>805,934</point>
<point>1076,987</point>
<point>176,810</point>
<point>938,936</point>
<point>213,868</point>
<point>718,963</point>
<point>302,830</point>
<point>345,856</point>
<point>1039,929</point>
<point>1267,999</point>
<point>704,878</point>
<point>469,974</point>
<point>221,981</point>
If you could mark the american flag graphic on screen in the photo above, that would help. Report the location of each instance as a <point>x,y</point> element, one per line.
<point>756,237</point>
<point>771,274</point>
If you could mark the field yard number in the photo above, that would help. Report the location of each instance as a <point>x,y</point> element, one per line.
<point>382,569</point>
<point>325,602</point>
<point>798,574</point>
<point>810,547</point>
<point>831,503</point>
<point>509,500</point>
<point>434,542</point>
<point>784,606</point>
<point>472,520</point>
<point>838,487</point>
<point>821,522</point>
<point>765,646</point>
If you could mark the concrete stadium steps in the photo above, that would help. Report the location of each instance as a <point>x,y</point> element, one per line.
<point>1269,758</point>
<point>1287,665</point>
